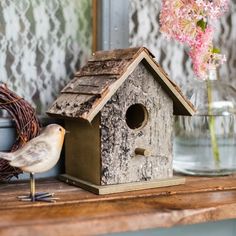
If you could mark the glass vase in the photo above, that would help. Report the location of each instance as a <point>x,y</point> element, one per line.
<point>205,144</point>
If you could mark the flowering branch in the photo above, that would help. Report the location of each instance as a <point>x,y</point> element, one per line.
<point>190,22</point>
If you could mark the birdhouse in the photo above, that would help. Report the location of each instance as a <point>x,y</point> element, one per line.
<point>119,110</point>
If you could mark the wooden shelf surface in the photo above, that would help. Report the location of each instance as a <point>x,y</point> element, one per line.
<point>79,212</point>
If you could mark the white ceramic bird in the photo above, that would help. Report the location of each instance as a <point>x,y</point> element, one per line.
<point>38,155</point>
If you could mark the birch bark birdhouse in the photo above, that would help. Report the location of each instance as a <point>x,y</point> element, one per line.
<point>119,110</point>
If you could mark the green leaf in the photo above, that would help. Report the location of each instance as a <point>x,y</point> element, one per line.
<point>202,24</point>
<point>216,50</point>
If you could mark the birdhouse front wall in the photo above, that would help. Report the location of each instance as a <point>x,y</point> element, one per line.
<point>136,131</point>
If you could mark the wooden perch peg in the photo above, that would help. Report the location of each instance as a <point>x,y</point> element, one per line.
<point>142,152</point>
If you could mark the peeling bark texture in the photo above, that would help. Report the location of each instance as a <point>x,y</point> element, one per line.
<point>90,85</point>
<point>86,106</point>
<point>119,162</point>
<point>109,67</point>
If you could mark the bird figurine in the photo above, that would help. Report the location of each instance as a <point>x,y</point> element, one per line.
<point>38,155</point>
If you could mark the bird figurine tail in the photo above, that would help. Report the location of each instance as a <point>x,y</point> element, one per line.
<point>5,156</point>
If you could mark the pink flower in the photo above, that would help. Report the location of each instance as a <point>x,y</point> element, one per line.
<point>188,22</point>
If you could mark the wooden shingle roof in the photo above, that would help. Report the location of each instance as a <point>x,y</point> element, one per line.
<point>99,79</point>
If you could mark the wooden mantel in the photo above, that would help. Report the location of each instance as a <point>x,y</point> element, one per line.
<point>80,213</point>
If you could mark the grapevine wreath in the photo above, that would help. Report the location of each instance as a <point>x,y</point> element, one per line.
<point>26,123</point>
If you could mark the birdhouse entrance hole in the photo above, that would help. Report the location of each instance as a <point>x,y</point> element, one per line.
<point>136,116</point>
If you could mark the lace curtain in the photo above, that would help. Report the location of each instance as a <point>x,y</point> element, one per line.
<point>42,43</point>
<point>144,30</point>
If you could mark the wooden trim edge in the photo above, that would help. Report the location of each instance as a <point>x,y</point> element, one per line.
<point>94,25</point>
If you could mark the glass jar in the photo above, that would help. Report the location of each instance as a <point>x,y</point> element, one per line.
<point>205,144</point>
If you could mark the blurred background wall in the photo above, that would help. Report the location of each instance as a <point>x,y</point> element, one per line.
<point>42,43</point>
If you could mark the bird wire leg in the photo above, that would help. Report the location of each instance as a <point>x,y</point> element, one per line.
<point>32,187</point>
<point>43,197</point>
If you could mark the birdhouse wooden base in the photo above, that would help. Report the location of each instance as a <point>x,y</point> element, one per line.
<point>119,188</point>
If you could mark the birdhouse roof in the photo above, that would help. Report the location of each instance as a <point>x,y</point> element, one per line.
<point>95,83</point>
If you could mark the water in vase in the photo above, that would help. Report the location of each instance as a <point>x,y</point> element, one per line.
<point>193,152</point>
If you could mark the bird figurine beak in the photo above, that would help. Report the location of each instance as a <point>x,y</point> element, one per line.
<point>67,132</point>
